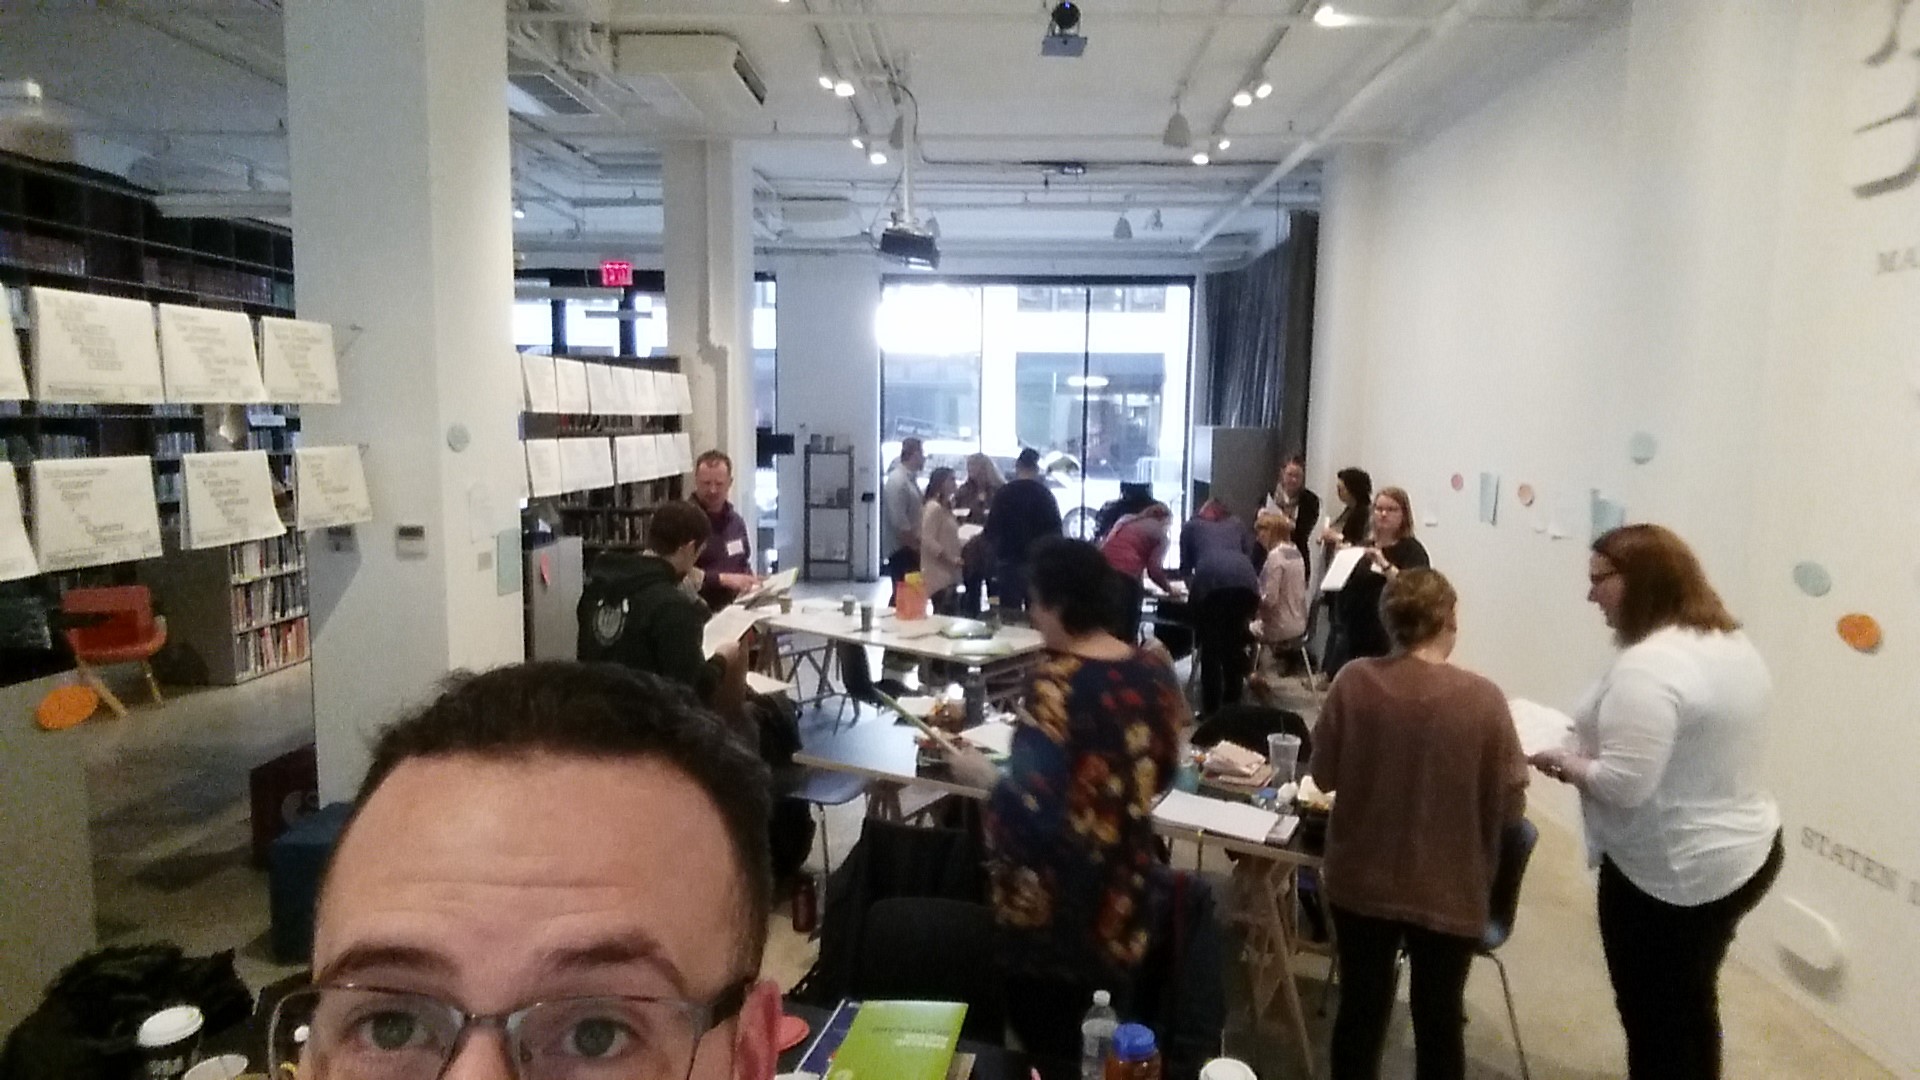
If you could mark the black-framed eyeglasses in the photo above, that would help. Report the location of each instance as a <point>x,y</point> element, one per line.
<point>350,1032</point>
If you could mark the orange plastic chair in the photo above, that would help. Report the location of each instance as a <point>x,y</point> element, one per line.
<point>123,630</point>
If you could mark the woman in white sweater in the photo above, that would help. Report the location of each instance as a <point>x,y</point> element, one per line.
<point>941,564</point>
<point>1668,762</point>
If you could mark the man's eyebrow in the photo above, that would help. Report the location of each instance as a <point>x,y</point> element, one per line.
<point>619,951</point>
<point>374,955</point>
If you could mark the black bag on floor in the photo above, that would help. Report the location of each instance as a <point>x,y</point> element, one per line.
<point>84,1029</point>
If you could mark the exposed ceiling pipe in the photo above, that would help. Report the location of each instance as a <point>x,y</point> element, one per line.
<point>1257,70</point>
<point>965,13</point>
<point>1395,66</point>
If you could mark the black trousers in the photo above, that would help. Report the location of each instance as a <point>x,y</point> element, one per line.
<point>902,562</point>
<point>1368,949</point>
<point>1221,631</point>
<point>1665,964</point>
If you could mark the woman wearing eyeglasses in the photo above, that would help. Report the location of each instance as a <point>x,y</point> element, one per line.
<point>1667,762</point>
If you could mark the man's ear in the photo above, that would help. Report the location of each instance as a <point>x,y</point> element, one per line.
<point>755,1043</point>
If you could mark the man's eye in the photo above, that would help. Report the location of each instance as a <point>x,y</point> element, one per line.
<point>390,1030</point>
<point>598,1037</point>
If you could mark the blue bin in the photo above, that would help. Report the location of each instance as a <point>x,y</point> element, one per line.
<point>295,864</point>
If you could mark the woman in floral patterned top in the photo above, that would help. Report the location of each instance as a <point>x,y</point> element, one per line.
<point>1075,875</point>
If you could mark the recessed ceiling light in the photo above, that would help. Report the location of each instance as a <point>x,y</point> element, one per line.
<point>826,82</point>
<point>1328,16</point>
<point>519,213</point>
<point>1242,98</point>
<point>1223,144</point>
<point>877,156</point>
<point>843,88</point>
<point>1201,158</point>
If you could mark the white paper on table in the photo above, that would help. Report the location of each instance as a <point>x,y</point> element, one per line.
<point>600,390</point>
<point>771,587</point>
<point>94,511</point>
<point>586,464</point>
<point>543,468</point>
<point>1341,568</point>
<point>1540,727</point>
<point>570,376</point>
<point>1239,820</point>
<point>16,551</point>
<point>630,459</point>
<point>682,453</point>
<point>730,623</point>
<point>968,532</point>
<point>330,487</point>
<point>298,359</point>
<point>768,685</point>
<point>94,349</point>
<point>993,737</point>
<point>227,498</point>
<point>543,386</point>
<point>682,395</point>
<point>13,379</point>
<point>207,356</point>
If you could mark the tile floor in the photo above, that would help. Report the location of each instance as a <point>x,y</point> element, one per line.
<point>171,850</point>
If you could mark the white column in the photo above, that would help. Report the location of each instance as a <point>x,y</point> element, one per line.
<point>402,220</point>
<point>709,263</point>
<point>1342,338</point>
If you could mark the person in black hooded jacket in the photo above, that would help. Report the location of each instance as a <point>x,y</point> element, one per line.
<point>635,611</point>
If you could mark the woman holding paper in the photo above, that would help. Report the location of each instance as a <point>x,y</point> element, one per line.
<point>1668,762</point>
<point>1427,772</point>
<point>941,563</point>
<point>1393,550</point>
<point>1073,869</point>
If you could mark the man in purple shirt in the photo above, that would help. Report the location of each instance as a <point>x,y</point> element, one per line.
<point>726,563</point>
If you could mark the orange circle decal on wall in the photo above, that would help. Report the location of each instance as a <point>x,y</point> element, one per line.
<point>1860,631</point>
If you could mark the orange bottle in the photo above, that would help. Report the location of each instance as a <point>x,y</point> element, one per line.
<point>910,599</point>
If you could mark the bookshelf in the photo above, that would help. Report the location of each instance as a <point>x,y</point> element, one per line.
<point>827,482</point>
<point>234,613</point>
<point>72,228</point>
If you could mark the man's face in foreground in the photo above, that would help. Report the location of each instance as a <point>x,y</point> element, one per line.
<point>493,885</point>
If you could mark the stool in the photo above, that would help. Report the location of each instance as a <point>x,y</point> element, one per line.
<point>295,864</point>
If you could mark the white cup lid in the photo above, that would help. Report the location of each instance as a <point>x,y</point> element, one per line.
<point>1227,1069</point>
<point>169,1026</point>
<point>224,1067</point>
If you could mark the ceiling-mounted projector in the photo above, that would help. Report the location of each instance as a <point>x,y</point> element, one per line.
<point>910,244</point>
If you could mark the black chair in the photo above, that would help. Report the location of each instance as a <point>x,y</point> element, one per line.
<point>1516,851</point>
<point>857,682</point>
<point>1249,726</point>
<point>930,949</point>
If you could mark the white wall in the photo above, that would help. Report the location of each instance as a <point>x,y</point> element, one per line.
<point>1656,234</point>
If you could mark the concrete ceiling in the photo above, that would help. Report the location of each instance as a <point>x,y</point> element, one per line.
<point>189,96</point>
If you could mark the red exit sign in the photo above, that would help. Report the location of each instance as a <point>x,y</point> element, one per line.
<point>616,273</point>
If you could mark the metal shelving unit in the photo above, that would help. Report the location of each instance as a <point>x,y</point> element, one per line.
<point>829,495</point>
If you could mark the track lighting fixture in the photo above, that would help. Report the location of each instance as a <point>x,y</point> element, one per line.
<point>1201,158</point>
<point>826,82</point>
<point>1242,98</point>
<point>1155,222</point>
<point>1326,15</point>
<point>843,88</point>
<point>1222,143</point>
<point>877,156</point>
<point>1263,89</point>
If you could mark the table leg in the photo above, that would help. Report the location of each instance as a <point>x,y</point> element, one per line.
<point>883,802</point>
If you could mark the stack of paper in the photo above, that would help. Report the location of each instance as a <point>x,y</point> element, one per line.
<point>1239,820</point>
<point>1539,727</point>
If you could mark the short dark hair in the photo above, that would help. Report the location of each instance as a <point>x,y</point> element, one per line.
<point>1074,579</point>
<point>1662,584</point>
<point>598,712</point>
<point>714,457</point>
<point>674,525</point>
<point>1295,459</point>
<point>1028,459</point>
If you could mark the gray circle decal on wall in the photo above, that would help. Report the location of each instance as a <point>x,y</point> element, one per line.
<point>1812,578</point>
<point>1642,447</point>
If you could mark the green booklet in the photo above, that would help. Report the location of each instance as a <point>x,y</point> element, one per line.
<point>900,1040</point>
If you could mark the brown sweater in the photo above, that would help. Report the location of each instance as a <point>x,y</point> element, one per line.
<point>1428,771</point>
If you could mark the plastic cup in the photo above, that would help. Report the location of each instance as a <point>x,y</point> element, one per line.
<point>1283,753</point>
<point>866,617</point>
<point>167,1041</point>
<point>847,604</point>
<point>1227,1069</point>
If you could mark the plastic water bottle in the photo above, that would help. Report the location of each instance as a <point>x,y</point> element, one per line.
<point>1096,1036</point>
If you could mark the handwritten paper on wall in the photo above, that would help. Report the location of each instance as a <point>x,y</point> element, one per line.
<point>94,511</point>
<point>682,453</point>
<point>632,459</point>
<point>600,390</point>
<point>331,485</point>
<point>228,499</point>
<point>94,349</point>
<point>298,358</point>
<point>572,378</point>
<point>13,382</point>
<point>586,464</point>
<point>543,468</point>
<point>543,387</point>
<point>16,553</point>
<point>207,356</point>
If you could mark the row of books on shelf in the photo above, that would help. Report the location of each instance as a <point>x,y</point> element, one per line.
<point>261,651</point>
<point>251,560</point>
<point>55,410</point>
<point>269,600</point>
<point>34,252</point>
<point>172,444</point>
<point>270,439</point>
<point>615,529</point>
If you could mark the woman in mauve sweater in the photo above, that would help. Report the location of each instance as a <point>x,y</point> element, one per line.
<point>1427,773</point>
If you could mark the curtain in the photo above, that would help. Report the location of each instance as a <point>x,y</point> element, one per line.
<point>1260,337</point>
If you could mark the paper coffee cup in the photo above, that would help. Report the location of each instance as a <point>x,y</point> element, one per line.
<point>224,1067</point>
<point>1227,1069</point>
<point>167,1041</point>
